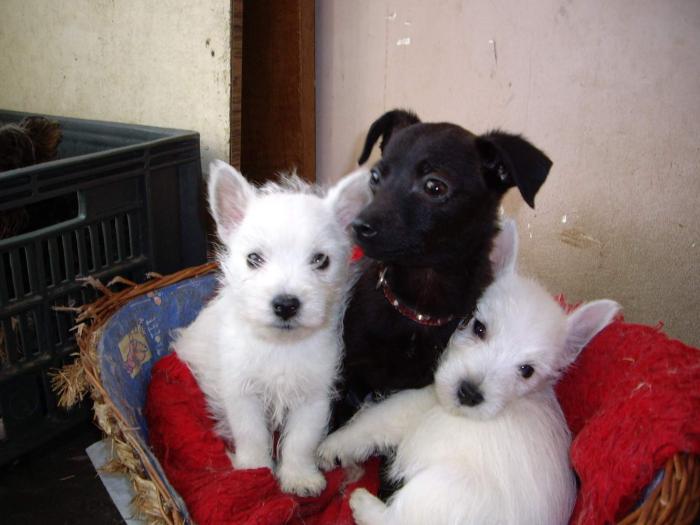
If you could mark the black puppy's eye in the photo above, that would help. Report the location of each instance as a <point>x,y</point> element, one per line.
<point>254,260</point>
<point>526,371</point>
<point>435,188</point>
<point>479,329</point>
<point>374,177</point>
<point>320,261</point>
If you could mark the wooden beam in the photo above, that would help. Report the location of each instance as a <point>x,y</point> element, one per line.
<point>236,84</point>
<point>278,100</point>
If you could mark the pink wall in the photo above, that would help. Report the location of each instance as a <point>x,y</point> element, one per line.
<point>610,90</point>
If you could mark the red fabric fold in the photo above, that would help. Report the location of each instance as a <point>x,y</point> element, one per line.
<point>632,401</point>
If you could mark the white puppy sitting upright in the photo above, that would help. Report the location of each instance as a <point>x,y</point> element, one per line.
<point>487,443</point>
<point>266,350</point>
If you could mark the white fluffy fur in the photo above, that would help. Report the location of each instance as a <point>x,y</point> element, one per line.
<point>503,461</point>
<point>258,372</point>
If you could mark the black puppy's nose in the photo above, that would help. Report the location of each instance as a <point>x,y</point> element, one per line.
<point>285,306</point>
<point>362,229</point>
<point>469,394</point>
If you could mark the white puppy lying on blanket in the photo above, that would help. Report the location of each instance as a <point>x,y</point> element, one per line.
<point>487,443</point>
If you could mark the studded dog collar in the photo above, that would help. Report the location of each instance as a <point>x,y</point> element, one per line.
<point>407,311</point>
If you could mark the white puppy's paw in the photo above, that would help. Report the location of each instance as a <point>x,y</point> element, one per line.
<point>243,460</point>
<point>366,508</point>
<point>331,449</point>
<point>302,481</point>
<point>326,460</point>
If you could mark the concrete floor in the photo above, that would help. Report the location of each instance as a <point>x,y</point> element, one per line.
<point>57,484</point>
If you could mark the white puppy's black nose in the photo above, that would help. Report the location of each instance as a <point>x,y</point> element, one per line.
<point>285,306</point>
<point>469,394</point>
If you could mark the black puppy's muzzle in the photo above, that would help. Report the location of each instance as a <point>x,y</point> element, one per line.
<point>363,229</point>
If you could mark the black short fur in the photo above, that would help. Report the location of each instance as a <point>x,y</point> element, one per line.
<point>431,223</point>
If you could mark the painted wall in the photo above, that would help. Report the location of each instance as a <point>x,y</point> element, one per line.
<point>610,90</point>
<point>164,63</point>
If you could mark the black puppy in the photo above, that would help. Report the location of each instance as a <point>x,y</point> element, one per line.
<point>428,232</point>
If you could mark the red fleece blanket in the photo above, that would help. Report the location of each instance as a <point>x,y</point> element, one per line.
<point>632,400</point>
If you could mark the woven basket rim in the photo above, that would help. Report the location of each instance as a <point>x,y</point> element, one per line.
<point>153,499</point>
<point>676,498</point>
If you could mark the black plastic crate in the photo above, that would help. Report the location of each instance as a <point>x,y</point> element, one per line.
<point>120,200</point>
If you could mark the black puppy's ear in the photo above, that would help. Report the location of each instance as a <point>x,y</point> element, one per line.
<point>510,160</point>
<point>383,127</point>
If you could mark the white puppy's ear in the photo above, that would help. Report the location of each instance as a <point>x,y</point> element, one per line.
<point>229,195</point>
<point>585,322</point>
<point>504,253</point>
<point>349,195</point>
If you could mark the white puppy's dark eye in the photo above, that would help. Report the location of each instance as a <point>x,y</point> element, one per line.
<point>526,371</point>
<point>374,177</point>
<point>479,329</point>
<point>435,188</point>
<point>254,260</point>
<point>320,261</point>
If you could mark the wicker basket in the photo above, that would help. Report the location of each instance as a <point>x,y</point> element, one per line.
<point>674,500</point>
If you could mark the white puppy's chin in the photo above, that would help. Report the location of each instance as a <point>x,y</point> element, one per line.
<point>483,411</point>
<point>286,331</point>
<point>285,326</point>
